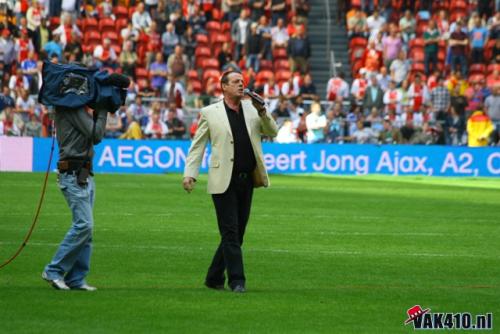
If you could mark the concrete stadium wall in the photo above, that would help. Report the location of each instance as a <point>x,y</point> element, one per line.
<point>157,156</point>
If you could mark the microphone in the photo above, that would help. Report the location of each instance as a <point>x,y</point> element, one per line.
<point>255,97</point>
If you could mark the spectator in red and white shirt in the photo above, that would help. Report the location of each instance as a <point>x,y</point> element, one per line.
<point>66,29</point>
<point>418,93</point>
<point>24,46</point>
<point>337,89</point>
<point>358,88</point>
<point>272,92</point>
<point>156,128</point>
<point>105,55</point>
<point>393,98</point>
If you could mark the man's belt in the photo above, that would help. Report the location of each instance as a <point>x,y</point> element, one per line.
<point>68,166</point>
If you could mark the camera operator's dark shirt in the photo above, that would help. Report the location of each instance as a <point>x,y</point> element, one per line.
<point>74,132</point>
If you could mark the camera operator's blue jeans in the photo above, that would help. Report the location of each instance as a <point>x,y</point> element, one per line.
<point>72,260</point>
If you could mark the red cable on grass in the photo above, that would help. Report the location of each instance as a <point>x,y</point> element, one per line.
<point>40,202</point>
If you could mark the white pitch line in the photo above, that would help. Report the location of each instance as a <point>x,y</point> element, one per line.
<point>266,231</point>
<point>273,250</point>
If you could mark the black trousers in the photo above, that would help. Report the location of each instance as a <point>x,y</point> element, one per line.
<point>233,209</point>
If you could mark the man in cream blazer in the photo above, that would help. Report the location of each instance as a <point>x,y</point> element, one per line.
<point>234,127</point>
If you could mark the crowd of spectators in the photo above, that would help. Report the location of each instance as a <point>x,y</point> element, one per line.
<point>425,78</point>
<point>425,72</point>
<point>173,50</point>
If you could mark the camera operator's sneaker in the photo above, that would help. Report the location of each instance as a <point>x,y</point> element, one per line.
<point>84,287</point>
<point>57,284</point>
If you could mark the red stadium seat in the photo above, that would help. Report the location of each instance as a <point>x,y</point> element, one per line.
<point>213,26</point>
<point>477,69</point>
<point>282,64</point>
<point>492,68</point>
<point>192,75</point>
<point>121,12</point>
<point>416,42</point>
<point>417,55</point>
<point>92,37</point>
<point>216,14</point>
<point>197,86</point>
<point>263,76</point>
<point>143,83</point>
<point>106,25</point>
<point>112,35</point>
<point>141,73</point>
<point>203,52</point>
<point>210,63</point>
<point>266,65</point>
<point>90,24</point>
<point>226,27</point>
<point>283,76</point>
<point>211,73</point>
<point>202,40</point>
<point>418,67</point>
<point>120,24</point>
<point>358,41</point>
<point>458,5</point>
<point>476,78</point>
<point>280,53</point>
<point>488,51</point>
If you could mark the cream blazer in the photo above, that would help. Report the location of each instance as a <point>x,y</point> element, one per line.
<point>213,126</point>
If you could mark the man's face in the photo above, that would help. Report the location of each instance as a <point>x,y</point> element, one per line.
<point>234,86</point>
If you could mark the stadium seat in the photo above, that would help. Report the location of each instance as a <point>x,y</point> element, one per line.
<point>492,68</point>
<point>192,75</point>
<point>416,43</point>
<point>263,76</point>
<point>488,51</point>
<point>121,12</point>
<point>92,37</point>
<point>458,5</point>
<point>282,64</point>
<point>418,55</point>
<point>202,40</point>
<point>477,69</point>
<point>418,67</point>
<point>280,53</point>
<point>106,25</point>
<point>211,73</point>
<point>141,73</point>
<point>216,14</point>
<point>421,27</point>
<point>203,52</point>
<point>283,75</point>
<point>197,86</point>
<point>120,24</point>
<point>226,27</point>
<point>266,65</point>
<point>476,78</point>
<point>112,35</point>
<point>90,24</point>
<point>210,63</point>
<point>358,41</point>
<point>117,48</point>
<point>213,26</point>
<point>142,83</point>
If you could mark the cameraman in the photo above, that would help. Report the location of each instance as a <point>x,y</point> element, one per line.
<point>77,133</point>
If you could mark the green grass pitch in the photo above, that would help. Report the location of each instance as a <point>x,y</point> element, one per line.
<point>322,255</point>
